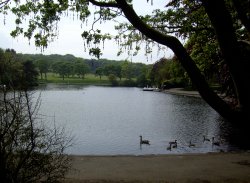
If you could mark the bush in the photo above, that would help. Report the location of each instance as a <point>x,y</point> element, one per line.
<point>113,80</point>
<point>29,151</point>
<point>174,83</point>
<point>129,83</point>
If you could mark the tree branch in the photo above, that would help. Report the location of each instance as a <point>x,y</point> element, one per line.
<point>2,4</point>
<point>103,4</point>
<point>174,44</point>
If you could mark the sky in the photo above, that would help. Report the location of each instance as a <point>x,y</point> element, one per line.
<point>69,40</point>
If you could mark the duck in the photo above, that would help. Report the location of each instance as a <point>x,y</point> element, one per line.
<point>144,141</point>
<point>169,148</point>
<point>173,142</point>
<point>205,139</point>
<point>216,143</point>
<point>190,144</point>
<point>175,145</point>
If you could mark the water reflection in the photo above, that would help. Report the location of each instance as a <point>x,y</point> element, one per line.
<point>109,121</point>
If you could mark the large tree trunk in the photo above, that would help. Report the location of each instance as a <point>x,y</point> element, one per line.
<point>236,53</point>
<point>194,73</point>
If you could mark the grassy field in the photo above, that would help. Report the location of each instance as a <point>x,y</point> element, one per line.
<point>90,79</point>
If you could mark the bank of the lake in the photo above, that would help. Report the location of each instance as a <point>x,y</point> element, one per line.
<point>210,167</point>
<point>185,167</point>
<point>182,91</point>
<point>89,79</point>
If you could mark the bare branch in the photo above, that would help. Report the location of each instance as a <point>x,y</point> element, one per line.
<point>2,4</point>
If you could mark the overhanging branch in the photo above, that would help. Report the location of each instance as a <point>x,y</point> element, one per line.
<point>2,4</point>
<point>174,44</point>
<point>104,4</point>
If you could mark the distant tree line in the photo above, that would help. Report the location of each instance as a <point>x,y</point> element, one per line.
<point>24,69</point>
<point>133,74</point>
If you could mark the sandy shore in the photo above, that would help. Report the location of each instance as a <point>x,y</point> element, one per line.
<point>211,167</point>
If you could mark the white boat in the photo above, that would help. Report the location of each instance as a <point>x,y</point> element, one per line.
<point>150,89</point>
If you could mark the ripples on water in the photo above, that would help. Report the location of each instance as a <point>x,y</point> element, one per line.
<point>108,121</point>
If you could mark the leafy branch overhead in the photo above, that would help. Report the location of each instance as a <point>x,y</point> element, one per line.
<point>216,36</point>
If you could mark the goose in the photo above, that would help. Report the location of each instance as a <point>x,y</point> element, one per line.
<point>216,143</point>
<point>169,147</point>
<point>205,139</point>
<point>190,144</point>
<point>144,141</point>
<point>175,145</point>
<point>173,142</point>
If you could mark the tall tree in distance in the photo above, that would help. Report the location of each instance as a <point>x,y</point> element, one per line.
<point>43,66</point>
<point>29,75</point>
<point>81,68</point>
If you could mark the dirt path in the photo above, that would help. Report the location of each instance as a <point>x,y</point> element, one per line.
<point>217,167</point>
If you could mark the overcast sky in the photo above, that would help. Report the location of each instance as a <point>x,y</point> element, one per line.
<point>69,40</point>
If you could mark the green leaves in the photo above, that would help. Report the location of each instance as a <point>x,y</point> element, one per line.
<point>95,52</point>
<point>95,38</point>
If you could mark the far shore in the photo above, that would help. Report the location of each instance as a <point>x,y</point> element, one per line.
<point>181,91</point>
<point>183,168</point>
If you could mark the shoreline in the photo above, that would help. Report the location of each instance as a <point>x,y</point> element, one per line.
<point>209,167</point>
<point>182,92</point>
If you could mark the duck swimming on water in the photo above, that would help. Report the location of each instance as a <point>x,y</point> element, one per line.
<point>216,143</point>
<point>190,144</point>
<point>173,144</point>
<point>144,141</point>
<point>205,139</point>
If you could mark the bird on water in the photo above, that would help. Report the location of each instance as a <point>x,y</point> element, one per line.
<point>144,141</point>
<point>216,143</point>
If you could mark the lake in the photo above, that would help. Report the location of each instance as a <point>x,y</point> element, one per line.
<point>109,120</point>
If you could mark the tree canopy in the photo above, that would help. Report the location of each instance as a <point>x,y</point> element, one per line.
<point>217,33</point>
<point>17,72</point>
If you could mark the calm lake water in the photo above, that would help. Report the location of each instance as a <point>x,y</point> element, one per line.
<point>109,120</point>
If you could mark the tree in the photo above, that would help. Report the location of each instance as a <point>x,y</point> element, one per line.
<point>99,72</point>
<point>15,72</point>
<point>30,151</point>
<point>168,73</point>
<point>143,78</point>
<point>11,68</point>
<point>43,66</point>
<point>80,68</point>
<point>216,16</point>
<point>110,69</point>
<point>63,69</point>
<point>55,67</point>
<point>127,70</point>
<point>29,75</point>
<point>112,79</point>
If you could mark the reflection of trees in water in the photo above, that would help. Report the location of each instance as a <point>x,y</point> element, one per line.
<point>236,135</point>
<point>194,118</point>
